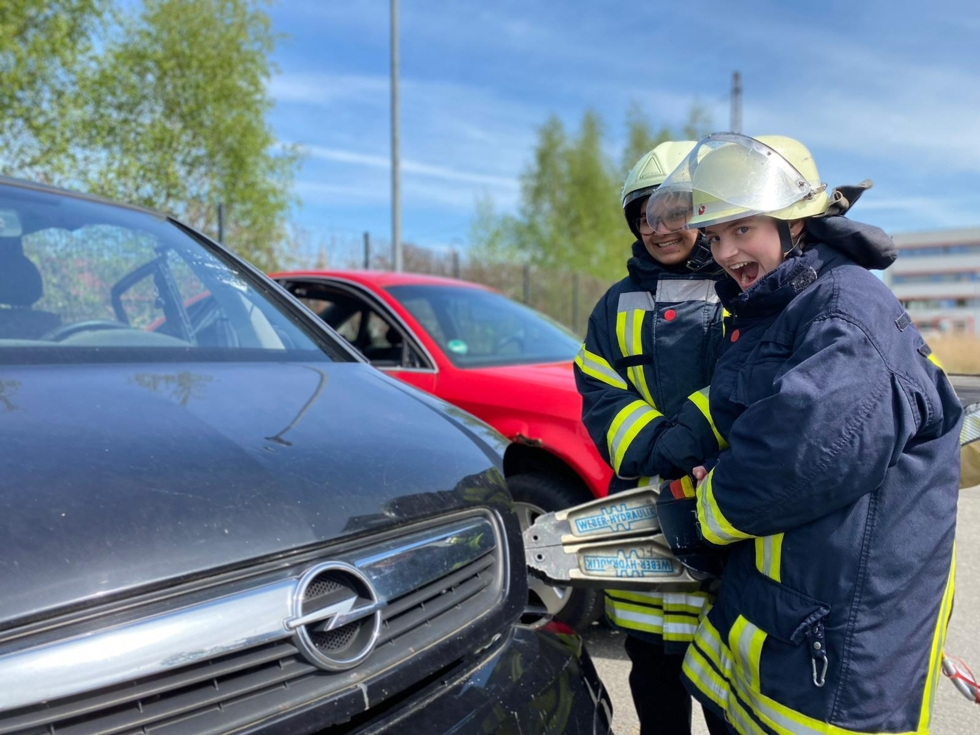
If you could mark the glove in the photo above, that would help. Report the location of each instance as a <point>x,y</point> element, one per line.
<point>677,509</point>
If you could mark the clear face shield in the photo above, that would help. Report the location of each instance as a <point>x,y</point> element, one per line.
<point>726,176</point>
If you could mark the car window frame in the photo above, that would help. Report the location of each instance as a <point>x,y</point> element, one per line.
<point>333,345</point>
<point>384,310</point>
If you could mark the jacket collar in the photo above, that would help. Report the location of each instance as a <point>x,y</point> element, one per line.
<point>836,241</point>
<point>774,290</point>
<point>645,272</point>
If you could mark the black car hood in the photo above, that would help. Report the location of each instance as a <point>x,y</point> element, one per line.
<point>115,477</point>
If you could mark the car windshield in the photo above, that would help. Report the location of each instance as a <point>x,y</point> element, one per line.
<point>477,328</point>
<point>84,281</point>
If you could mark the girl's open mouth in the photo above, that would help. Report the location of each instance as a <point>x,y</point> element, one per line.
<point>745,273</point>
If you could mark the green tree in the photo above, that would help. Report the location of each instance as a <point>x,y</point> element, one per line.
<point>570,214</point>
<point>178,121</point>
<point>568,196</point>
<point>46,48</point>
<point>166,107</point>
<point>640,137</point>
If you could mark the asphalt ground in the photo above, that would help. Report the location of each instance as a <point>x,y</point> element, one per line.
<point>952,715</point>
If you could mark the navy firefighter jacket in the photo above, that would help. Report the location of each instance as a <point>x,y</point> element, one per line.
<point>836,499</point>
<point>644,370</point>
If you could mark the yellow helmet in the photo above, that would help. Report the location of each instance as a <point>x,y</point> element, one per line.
<point>729,176</point>
<point>799,156</point>
<point>648,173</point>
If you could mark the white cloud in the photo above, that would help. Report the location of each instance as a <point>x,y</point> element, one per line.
<point>478,79</point>
<point>409,167</point>
<point>316,89</point>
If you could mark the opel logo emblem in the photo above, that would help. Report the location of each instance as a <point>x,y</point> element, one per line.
<point>336,616</point>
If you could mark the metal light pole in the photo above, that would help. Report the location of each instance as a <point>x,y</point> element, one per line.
<point>736,112</point>
<point>396,204</point>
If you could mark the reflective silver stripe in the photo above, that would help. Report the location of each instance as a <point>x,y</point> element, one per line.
<point>636,301</point>
<point>594,366</point>
<point>669,290</point>
<point>693,599</point>
<point>971,425</point>
<point>768,555</point>
<point>634,616</point>
<point>715,528</point>
<point>679,630</point>
<point>706,678</point>
<point>619,444</point>
<point>207,630</point>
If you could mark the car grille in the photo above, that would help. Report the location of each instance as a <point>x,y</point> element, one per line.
<point>264,681</point>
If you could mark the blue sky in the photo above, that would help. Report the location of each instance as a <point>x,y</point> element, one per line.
<point>878,90</point>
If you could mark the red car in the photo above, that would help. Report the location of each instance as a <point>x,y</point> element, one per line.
<point>500,361</point>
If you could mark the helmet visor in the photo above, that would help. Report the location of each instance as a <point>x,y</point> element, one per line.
<point>726,176</point>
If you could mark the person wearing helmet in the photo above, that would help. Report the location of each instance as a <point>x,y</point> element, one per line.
<point>642,372</point>
<point>836,497</point>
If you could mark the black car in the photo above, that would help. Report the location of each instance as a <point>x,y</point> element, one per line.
<point>215,517</point>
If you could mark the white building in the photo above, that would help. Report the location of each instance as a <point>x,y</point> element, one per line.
<point>937,279</point>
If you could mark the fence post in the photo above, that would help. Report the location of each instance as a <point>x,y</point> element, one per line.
<point>367,251</point>
<point>221,223</point>
<point>575,303</point>
<point>455,264</point>
<point>527,283</point>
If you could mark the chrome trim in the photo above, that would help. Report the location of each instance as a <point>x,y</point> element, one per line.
<point>405,563</point>
<point>340,614</point>
<point>202,631</point>
<point>145,647</point>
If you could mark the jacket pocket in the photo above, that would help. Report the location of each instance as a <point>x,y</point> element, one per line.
<point>781,631</point>
<point>756,376</point>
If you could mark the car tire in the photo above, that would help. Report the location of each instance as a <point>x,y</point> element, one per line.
<point>535,494</point>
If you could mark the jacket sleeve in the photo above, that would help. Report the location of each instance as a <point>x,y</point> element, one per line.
<point>836,419</point>
<point>634,437</point>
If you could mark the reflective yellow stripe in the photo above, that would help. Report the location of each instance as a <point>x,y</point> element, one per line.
<point>699,671</point>
<point>637,349</point>
<point>690,602</point>
<point>682,611</point>
<point>725,313</point>
<point>745,641</point>
<point>769,555</point>
<point>709,640</point>
<point>621,332</point>
<point>625,427</point>
<point>647,598</point>
<point>787,721</point>
<point>700,399</point>
<point>629,336</point>
<point>679,628</point>
<point>782,719</point>
<point>938,642</point>
<point>936,361</point>
<point>714,526</point>
<point>634,617</point>
<point>718,689</point>
<point>687,486</point>
<point>596,367</point>
<point>690,609</point>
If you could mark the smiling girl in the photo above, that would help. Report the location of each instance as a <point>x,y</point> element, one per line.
<point>837,494</point>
